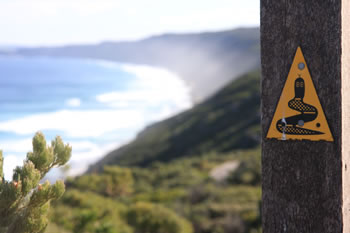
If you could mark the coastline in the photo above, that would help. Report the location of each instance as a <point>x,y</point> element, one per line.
<point>159,90</point>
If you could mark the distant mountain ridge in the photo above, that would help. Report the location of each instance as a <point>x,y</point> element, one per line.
<point>206,61</point>
<point>227,121</point>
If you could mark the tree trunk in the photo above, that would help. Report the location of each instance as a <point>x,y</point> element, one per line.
<point>304,181</point>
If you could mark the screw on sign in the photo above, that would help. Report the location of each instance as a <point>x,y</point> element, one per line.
<point>299,114</point>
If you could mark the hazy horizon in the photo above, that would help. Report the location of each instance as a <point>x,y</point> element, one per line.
<point>57,23</point>
<point>10,46</point>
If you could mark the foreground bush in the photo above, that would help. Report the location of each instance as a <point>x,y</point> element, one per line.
<point>89,213</point>
<point>113,182</point>
<point>24,203</point>
<point>153,218</point>
<point>163,198</point>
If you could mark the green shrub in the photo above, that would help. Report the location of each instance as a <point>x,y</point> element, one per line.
<point>114,181</point>
<point>248,172</point>
<point>153,218</point>
<point>89,213</point>
<point>24,203</point>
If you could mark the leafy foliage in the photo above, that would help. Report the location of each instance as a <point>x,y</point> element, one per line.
<point>153,218</point>
<point>114,181</point>
<point>248,172</point>
<point>167,197</point>
<point>24,203</point>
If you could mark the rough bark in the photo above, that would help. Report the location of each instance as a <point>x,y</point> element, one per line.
<point>346,113</point>
<point>302,180</point>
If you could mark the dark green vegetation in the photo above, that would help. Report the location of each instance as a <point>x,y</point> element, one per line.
<point>206,61</point>
<point>197,172</point>
<point>228,120</point>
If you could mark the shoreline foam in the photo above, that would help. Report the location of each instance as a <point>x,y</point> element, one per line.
<point>154,94</point>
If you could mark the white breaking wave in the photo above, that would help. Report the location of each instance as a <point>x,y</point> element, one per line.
<point>73,102</point>
<point>10,163</point>
<point>75,123</point>
<point>153,86</point>
<point>16,146</point>
<point>154,95</point>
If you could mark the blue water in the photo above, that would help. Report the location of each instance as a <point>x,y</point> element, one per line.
<point>39,93</point>
<point>42,85</point>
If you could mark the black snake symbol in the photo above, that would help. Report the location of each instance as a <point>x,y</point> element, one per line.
<point>294,124</point>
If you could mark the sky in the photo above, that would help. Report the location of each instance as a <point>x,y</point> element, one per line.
<point>60,22</point>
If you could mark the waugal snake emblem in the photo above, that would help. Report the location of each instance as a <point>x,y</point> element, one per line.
<point>295,124</point>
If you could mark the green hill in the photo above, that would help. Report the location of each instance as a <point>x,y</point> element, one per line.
<point>197,172</point>
<point>227,121</point>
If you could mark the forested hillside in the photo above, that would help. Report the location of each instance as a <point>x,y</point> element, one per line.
<point>198,172</point>
<point>227,121</point>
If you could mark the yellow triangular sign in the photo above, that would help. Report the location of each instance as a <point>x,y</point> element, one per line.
<point>299,114</point>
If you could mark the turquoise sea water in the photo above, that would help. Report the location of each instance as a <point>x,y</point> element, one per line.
<point>95,106</point>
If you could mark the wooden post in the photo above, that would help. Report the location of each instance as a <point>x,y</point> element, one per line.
<point>306,184</point>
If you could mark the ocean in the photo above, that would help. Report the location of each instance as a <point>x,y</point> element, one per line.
<point>96,106</point>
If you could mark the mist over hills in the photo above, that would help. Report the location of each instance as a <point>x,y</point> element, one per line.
<point>206,61</point>
<point>227,121</point>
